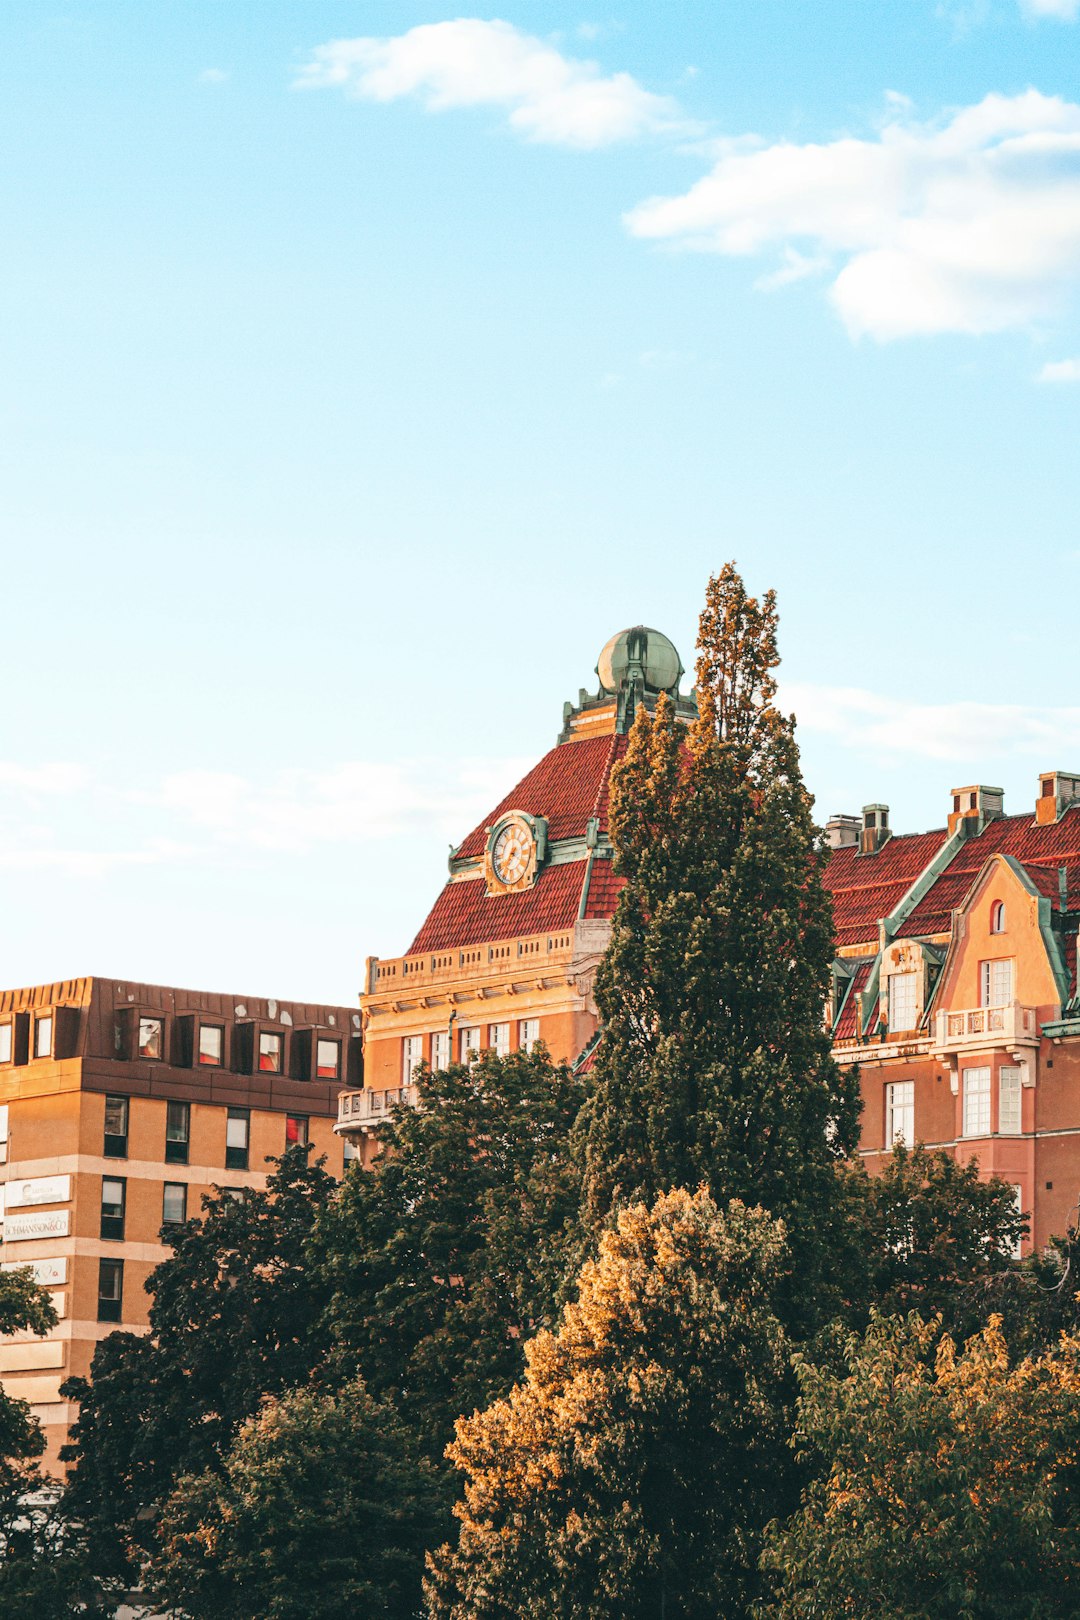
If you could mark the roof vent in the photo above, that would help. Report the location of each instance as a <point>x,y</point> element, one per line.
<point>875,828</point>
<point>973,807</point>
<point>843,831</point>
<point>1057,790</point>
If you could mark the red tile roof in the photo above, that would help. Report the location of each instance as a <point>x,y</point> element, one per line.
<point>569,785</point>
<point>465,913</point>
<point>604,889</point>
<point>1036,848</point>
<point>866,888</point>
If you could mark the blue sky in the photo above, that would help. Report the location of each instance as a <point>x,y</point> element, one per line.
<point>363,367</point>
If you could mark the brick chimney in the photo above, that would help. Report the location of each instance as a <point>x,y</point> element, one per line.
<point>875,828</point>
<point>1057,790</point>
<point>973,807</point>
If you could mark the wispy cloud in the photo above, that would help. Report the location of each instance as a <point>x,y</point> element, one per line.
<point>548,97</point>
<point>966,224</point>
<point>1058,371</point>
<point>870,723</point>
<point>1060,10</point>
<point>214,75</point>
<point>41,779</point>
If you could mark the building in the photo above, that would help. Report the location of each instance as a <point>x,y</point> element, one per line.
<point>954,984</point>
<point>507,954</point>
<point>120,1105</point>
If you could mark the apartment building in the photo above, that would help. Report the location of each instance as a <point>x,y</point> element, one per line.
<point>120,1105</point>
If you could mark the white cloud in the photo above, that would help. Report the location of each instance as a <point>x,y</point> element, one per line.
<point>549,97</point>
<point>1062,10</point>
<point>41,779</point>
<point>213,75</point>
<point>967,224</point>
<point>1060,371</point>
<point>349,804</point>
<point>868,722</point>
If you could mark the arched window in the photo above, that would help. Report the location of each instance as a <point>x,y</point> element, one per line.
<point>997,917</point>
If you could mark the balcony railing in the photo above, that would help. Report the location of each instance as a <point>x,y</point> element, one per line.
<point>987,1026</point>
<point>364,1110</point>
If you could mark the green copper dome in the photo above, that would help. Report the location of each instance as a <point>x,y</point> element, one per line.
<point>641,648</point>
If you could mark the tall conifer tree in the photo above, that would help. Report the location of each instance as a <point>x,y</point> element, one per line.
<point>715,1066</point>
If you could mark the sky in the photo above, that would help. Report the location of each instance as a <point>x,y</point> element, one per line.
<point>363,367</point>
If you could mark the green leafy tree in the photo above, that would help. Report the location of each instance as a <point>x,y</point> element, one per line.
<point>934,1237</point>
<point>947,1485</point>
<point>235,1315</point>
<point>319,1510</point>
<point>714,1064</point>
<point>447,1254</point>
<point>631,1470</point>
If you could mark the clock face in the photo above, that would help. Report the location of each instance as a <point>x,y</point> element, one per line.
<point>511,853</point>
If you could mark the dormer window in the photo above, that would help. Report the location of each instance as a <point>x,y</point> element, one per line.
<point>997,917</point>
<point>903,1001</point>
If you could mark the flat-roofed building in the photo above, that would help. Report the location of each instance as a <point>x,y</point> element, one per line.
<point>120,1105</point>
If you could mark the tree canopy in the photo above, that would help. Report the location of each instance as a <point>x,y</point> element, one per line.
<point>629,1471</point>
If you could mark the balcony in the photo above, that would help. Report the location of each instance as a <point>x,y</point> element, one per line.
<point>364,1110</point>
<point>978,1028</point>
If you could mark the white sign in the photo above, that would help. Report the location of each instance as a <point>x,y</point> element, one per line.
<point>59,1304</point>
<point>46,1272</point>
<point>50,1223</point>
<point>41,1190</point>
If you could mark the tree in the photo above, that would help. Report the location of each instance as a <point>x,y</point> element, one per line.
<point>714,1064</point>
<point>446,1255</point>
<point>935,1238</point>
<point>319,1510</point>
<point>235,1315</point>
<point>24,1308</point>
<point>630,1471</point>
<point>948,1483</point>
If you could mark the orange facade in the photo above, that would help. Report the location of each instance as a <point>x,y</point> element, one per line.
<point>120,1106</point>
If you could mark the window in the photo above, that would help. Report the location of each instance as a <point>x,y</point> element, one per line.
<point>1009,1098</point>
<point>499,1039</point>
<point>237,1131</point>
<point>110,1290</point>
<point>5,1043</point>
<point>470,1045</point>
<point>174,1203</point>
<point>900,1113</point>
<point>1018,1198</point>
<point>528,1033</point>
<point>903,1001</point>
<point>997,917</point>
<point>296,1130</point>
<point>412,1055</point>
<point>351,1151</point>
<point>440,1050</point>
<point>269,1053</point>
<point>43,1036</point>
<point>3,1133</point>
<point>113,1201</point>
<point>996,983</point>
<point>327,1059</point>
<point>211,1045</point>
<point>177,1132</point>
<point>116,1127</point>
<point>976,1102</point>
<point>151,1035</point>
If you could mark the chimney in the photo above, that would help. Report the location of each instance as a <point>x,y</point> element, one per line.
<point>843,831</point>
<point>875,828</point>
<point>973,807</point>
<point>1057,790</point>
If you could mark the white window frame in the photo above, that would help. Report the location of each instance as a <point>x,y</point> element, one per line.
<point>7,1041</point>
<point>528,1033</point>
<point>1018,1195</point>
<point>412,1055</point>
<point>470,1043</point>
<point>441,1056</point>
<point>903,1016</point>
<point>499,1039</point>
<point>43,1025</point>
<point>900,1113</point>
<point>1010,1099</point>
<point>996,982</point>
<point>976,1089</point>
